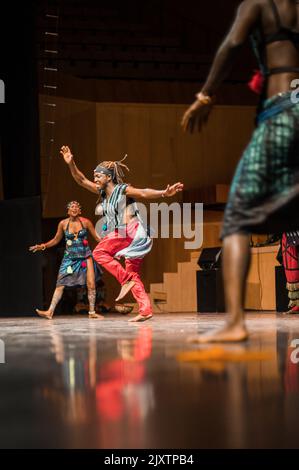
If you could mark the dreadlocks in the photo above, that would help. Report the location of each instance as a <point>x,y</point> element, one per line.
<point>115,169</point>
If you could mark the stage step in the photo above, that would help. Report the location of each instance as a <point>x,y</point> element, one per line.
<point>178,291</point>
<point>158,297</point>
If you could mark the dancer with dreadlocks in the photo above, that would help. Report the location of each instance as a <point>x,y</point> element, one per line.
<point>77,268</point>
<point>264,194</point>
<point>123,234</point>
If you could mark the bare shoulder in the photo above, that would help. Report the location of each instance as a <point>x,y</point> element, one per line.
<point>259,3</point>
<point>63,223</point>
<point>247,4</point>
<point>85,221</point>
<point>251,9</point>
<point>254,2</point>
<point>128,187</point>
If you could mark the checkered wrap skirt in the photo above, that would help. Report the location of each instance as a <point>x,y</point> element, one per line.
<point>264,195</point>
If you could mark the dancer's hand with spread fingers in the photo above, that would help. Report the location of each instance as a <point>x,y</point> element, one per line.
<point>65,151</point>
<point>173,189</point>
<point>197,114</point>
<point>36,248</point>
<point>78,176</point>
<point>53,242</point>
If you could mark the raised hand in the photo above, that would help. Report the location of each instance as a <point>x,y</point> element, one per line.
<point>197,114</point>
<point>65,151</point>
<point>172,190</point>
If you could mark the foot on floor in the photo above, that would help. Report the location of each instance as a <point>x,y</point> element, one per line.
<point>140,318</point>
<point>236,333</point>
<point>95,315</point>
<point>48,314</point>
<point>292,311</point>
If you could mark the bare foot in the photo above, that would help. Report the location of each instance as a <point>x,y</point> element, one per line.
<point>45,313</point>
<point>141,318</point>
<point>95,315</point>
<point>125,289</point>
<point>231,333</point>
<point>292,311</point>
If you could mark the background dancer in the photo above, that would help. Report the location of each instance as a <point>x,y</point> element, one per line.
<point>289,248</point>
<point>77,268</point>
<point>124,234</point>
<point>264,194</point>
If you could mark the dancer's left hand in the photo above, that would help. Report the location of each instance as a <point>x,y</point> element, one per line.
<point>197,114</point>
<point>172,190</point>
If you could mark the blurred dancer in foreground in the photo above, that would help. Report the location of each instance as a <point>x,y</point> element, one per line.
<point>264,194</point>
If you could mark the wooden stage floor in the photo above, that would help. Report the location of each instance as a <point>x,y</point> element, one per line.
<point>79,383</point>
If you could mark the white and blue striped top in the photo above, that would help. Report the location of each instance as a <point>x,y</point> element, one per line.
<point>113,212</point>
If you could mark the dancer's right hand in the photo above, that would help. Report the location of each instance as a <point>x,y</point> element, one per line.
<point>36,248</point>
<point>66,153</point>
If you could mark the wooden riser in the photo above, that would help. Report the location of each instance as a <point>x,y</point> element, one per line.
<point>179,291</point>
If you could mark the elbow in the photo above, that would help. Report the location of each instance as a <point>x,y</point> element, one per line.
<point>144,194</point>
<point>80,181</point>
<point>234,44</point>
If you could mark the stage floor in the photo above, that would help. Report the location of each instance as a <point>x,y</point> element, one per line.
<point>79,383</point>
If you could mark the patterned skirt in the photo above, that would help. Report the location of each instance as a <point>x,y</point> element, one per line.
<point>73,269</point>
<point>264,195</point>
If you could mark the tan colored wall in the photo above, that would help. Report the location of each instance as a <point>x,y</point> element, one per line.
<point>159,152</point>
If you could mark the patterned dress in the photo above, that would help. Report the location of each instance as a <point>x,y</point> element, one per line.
<point>73,268</point>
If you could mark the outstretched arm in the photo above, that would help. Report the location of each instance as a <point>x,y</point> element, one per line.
<point>91,230</point>
<point>247,17</point>
<point>78,176</point>
<point>154,193</point>
<point>50,243</point>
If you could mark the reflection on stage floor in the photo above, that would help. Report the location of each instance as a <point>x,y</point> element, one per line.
<point>79,383</point>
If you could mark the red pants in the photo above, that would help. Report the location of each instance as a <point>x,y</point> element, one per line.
<point>290,261</point>
<point>104,255</point>
<point>291,268</point>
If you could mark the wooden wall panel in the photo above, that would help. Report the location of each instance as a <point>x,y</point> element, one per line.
<point>75,126</point>
<point>158,153</point>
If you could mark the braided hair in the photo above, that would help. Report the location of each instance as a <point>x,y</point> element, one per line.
<point>69,204</point>
<point>118,168</point>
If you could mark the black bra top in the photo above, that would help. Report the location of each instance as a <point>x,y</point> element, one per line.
<point>282,33</point>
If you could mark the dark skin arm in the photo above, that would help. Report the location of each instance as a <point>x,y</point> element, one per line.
<point>91,230</point>
<point>148,193</point>
<point>247,17</point>
<point>53,242</point>
<point>78,176</point>
<point>131,192</point>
